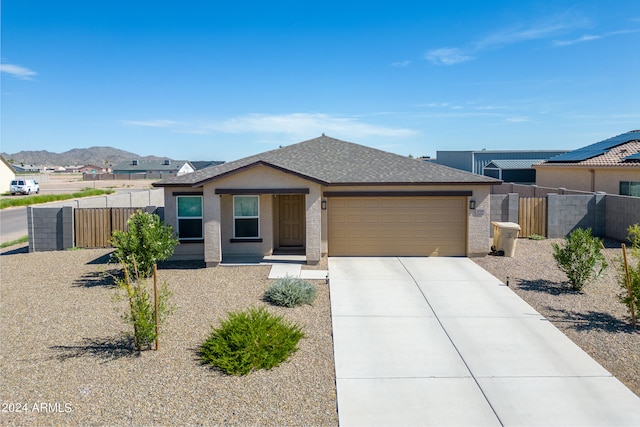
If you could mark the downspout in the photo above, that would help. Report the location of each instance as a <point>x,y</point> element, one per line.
<point>593,180</point>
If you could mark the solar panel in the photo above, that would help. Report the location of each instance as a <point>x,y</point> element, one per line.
<point>633,157</point>
<point>596,149</point>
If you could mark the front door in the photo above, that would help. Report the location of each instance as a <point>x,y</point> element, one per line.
<point>291,220</point>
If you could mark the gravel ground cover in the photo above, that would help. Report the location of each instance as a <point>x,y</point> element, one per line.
<point>65,361</point>
<point>594,319</point>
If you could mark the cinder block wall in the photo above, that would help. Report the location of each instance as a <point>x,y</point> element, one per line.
<point>50,229</point>
<point>621,212</point>
<point>567,212</point>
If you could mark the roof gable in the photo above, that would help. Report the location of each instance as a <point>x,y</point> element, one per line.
<point>332,161</point>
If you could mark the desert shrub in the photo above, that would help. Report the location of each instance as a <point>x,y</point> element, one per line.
<point>580,258</point>
<point>250,340</point>
<point>633,259</point>
<point>536,237</point>
<point>148,240</point>
<point>141,312</point>
<point>290,292</point>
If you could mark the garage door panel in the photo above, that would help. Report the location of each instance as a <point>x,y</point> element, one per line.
<point>397,226</point>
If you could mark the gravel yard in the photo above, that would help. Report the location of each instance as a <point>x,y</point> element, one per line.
<point>594,319</point>
<point>65,361</point>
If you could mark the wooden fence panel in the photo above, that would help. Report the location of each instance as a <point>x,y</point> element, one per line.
<point>93,226</point>
<point>119,218</point>
<point>532,216</point>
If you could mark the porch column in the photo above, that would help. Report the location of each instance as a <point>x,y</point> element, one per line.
<point>313,226</point>
<point>212,230</point>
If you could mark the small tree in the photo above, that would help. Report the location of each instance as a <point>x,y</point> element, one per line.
<point>630,295</point>
<point>580,258</point>
<point>142,307</point>
<point>148,240</point>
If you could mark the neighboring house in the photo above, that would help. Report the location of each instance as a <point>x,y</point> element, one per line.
<point>516,171</point>
<point>611,166</point>
<point>7,173</point>
<point>327,196</point>
<point>177,167</point>
<point>92,169</point>
<point>476,161</point>
<point>205,164</point>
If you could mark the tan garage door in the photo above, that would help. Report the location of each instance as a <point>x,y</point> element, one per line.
<point>397,226</point>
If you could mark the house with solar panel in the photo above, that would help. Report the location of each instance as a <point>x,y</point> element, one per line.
<point>508,165</point>
<point>611,166</point>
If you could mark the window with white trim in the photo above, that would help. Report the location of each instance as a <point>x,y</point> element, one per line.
<point>246,217</point>
<point>189,217</point>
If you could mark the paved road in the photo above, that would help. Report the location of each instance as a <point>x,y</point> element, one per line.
<point>13,224</point>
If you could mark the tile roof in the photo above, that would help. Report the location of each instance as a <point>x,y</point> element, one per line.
<point>331,161</point>
<point>615,156</point>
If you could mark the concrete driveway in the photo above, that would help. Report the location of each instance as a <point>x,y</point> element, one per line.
<point>440,341</point>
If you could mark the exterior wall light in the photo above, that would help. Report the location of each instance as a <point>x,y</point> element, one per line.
<point>472,204</point>
<point>323,205</point>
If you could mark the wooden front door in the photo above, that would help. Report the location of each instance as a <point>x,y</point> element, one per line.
<point>291,220</point>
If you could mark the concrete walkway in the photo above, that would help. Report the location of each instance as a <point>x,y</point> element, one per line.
<point>439,341</point>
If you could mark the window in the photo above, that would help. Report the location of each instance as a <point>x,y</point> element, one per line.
<point>246,217</point>
<point>189,217</point>
<point>630,188</point>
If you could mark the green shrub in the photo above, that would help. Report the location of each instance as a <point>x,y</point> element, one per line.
<point>580,258</point>
<point>250,340</point>
<point>147,241</point>
<point>536,237</point>
<point>290,292</point>
<point>141,311</point>
<point>633,260</point>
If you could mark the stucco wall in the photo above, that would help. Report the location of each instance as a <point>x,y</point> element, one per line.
<point>575,178</point>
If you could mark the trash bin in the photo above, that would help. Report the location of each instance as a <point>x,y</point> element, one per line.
<point>505,235</point>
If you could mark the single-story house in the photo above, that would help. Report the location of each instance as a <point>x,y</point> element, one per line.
<point>7,174</point>
<point>201,164</point>
<point>92,169</point>
<point>611,166</point>
<point>166,166</point>
<point>327,196</point>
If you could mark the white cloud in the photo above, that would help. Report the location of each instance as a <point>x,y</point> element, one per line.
<point>297,125</point>
<point>306,124</point>
<point>549,27</point>
<point>401,64</point>
<point>151,123</point>
<point>447,56</point>
<point>17,71</point>
<point>588,38</point>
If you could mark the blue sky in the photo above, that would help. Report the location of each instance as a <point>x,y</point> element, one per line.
<point>214,80</point>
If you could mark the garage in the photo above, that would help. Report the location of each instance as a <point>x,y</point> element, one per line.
<point>397,226</point>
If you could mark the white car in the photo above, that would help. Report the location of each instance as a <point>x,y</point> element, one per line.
<point>24,186</point>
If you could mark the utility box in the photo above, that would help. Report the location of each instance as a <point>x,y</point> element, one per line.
<point>505,236</point>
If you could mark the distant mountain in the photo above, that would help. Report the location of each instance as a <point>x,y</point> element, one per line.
<point>97,156</point>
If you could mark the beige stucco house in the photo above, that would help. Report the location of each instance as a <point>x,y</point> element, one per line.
<point>327,196</point>
<point>611,166</point>
<point>7,173</point>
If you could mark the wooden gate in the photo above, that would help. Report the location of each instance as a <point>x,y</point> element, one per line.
<point>93,226</point>
<point>532,216</point>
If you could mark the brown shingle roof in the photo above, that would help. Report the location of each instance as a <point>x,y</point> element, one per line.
<point>331,161</point>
